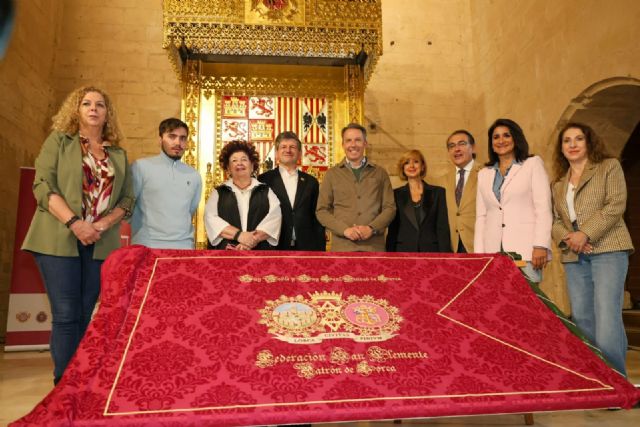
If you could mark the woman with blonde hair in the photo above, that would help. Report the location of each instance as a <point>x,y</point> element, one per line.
<point>83,189</point>
<point>421,223</point>
<point>589,200</point>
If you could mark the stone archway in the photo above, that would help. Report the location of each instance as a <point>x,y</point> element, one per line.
<point>611,107</point>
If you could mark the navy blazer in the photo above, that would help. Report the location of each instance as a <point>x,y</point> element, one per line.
<point>301,216</point>
<point>432,235</point>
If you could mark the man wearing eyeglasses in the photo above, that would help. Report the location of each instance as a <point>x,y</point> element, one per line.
<point>460,183</point>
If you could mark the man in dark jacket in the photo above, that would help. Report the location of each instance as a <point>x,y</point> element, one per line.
<point>298,195</point>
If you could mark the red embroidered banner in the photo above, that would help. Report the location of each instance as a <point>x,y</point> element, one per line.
<point>224,338</point>
<point>29,316</point>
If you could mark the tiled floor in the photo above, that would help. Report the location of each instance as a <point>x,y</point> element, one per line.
<point>25,378</point>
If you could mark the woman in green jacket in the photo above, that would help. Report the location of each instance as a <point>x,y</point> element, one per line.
<point>83,189</point>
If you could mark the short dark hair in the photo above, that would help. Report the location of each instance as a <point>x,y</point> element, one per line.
<point>596,151</point>
<point>355,126</point>
<point>167,125</point>
<point>520,144</point>
<point>235,146</point>
<point>287,134</point>
<point>472,140</point>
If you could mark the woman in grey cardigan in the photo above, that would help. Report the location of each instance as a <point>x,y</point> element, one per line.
<point>589,200</point>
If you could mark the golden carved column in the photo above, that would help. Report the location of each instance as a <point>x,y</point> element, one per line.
<point>355,85</point>
<point>190,109</point>
<point>190,115</point>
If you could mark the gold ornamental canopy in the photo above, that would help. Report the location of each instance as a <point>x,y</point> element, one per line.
<point>251,69</point>
<point>293,32</point>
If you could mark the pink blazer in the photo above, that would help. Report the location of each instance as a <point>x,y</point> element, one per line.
<point>522,219</point>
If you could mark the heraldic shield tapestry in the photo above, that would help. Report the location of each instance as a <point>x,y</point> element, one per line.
<point>259,119</point>
<point>255,103</point>
<point>197,338</point>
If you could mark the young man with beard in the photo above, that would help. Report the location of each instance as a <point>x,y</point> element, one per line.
<point>167,192</point>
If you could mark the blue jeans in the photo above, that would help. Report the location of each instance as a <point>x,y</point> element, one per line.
<point>73,286</point>
<point>596,291</point>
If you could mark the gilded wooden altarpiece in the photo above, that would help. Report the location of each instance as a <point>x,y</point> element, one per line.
<point>252,68</point>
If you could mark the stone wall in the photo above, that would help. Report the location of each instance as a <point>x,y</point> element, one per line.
<point>26,86</point>
<point>532,58</point>
<point>118,46</point>
<point>419,92</point>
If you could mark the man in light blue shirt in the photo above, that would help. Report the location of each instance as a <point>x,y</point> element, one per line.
<point>167,193</point>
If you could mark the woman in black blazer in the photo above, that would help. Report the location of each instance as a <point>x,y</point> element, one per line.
<point>421,223</point>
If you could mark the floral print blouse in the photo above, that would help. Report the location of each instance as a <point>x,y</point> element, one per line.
<point>97,183</point>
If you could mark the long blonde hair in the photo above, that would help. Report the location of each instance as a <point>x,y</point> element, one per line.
<point>66,119</point>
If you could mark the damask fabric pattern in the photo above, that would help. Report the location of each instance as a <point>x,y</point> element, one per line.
<point>195,338</point>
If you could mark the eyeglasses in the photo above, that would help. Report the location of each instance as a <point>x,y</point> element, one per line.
<point>461,144</point>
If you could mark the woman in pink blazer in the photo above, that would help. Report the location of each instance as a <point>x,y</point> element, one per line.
<point>513,203</point>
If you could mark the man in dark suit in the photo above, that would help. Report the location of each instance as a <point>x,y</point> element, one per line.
<point>298,194</point>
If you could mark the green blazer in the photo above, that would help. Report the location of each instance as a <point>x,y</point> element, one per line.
<point>59,170</point>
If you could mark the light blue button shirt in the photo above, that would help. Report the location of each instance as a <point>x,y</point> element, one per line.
<point>498,180</point>
<point>167,194</point>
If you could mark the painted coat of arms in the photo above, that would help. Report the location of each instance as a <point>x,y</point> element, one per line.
<point>326,315</point>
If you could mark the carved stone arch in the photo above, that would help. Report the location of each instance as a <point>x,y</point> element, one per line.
<point>611,107</point>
